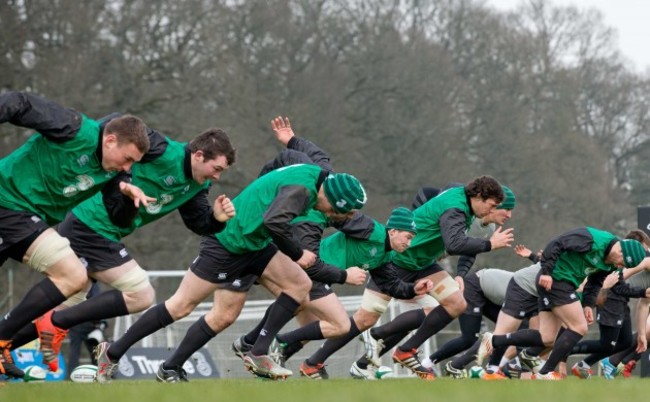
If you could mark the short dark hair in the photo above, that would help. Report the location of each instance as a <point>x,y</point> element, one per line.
<point>485,187</point>
<point>129,130</point>
<point>213,142</point>
<point>640,236</point>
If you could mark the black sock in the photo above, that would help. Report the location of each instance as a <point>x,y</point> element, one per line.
<point>437,319</point>
<point>497,354</point>
<point>198,334</point>
<point>26,334</point>
<point>332,345</point>
<point>151,321</point>
<point>251,337</point>
<point>105,305</point>
<point>466,358</point>
<point>624,355</point>
<point>523,337</point>
<point>470,326</point>
<point>404,322</point>
<point>535,350</point>
<point>309,332</point>
<point>632,356</point>
<point>282,312</point>
<point>292,349</point>
<point>40,299</point>
<point>363,362</point>
<point>563,345</point>
<point>587,346</point>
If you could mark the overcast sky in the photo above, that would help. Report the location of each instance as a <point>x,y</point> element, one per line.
<point>630,18</point>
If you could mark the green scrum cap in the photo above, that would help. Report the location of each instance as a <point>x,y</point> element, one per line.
<point>402,219</point>
<point>508,199</point>
<point>344,192</point>
<point>633,252</point>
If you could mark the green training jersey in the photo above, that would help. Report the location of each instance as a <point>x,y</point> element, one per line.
<point>345,252</point>
<point>427,246</point>
<point>48,178</point>
<point>246,232</point>
<point>163,178</point>
<point>574,266</point>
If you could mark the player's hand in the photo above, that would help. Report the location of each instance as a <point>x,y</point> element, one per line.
<point>307,260</point>
<point>136,194</point>
<point>502,238</point>
<point>461,283</point>
<point>223,208</point>
<point>589,315</point>
<point>282,129</point>
<point>522,251</point>
<point>423,287</point>
<point>546,281</point>
<point>356,276</point>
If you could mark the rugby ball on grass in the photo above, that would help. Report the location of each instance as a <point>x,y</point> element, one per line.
<point>34,374</point>
<point>476,372</point>
<point>383,372</point>
<point>84,373</point>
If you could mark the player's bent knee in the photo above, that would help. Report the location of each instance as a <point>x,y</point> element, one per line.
<point>365,321</point>
<point>140,300</point>
<point>460,306</point>
<point>221,318</point>
<point>548,341</point>
<point>77,279</point>
<point>217,322</point>
<point>582,330</point>
<point>178,311</point>
<point>51,250</point>
<point>340,327</point>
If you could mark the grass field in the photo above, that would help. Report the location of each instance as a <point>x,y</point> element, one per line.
<point>336,390</point>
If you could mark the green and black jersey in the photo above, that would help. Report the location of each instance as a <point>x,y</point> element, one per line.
<point>363,242</point>
<point>167,178</point>
<point>267,206</point>
<point>578,253</point>
<point>344,251</point>
<point>58,167</point>
<point>442,224</point>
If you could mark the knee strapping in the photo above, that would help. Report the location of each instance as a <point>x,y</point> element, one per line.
<point>444,288</point>
<point>373,303</point>
<point>51,250</point>
<point>134,280</point>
